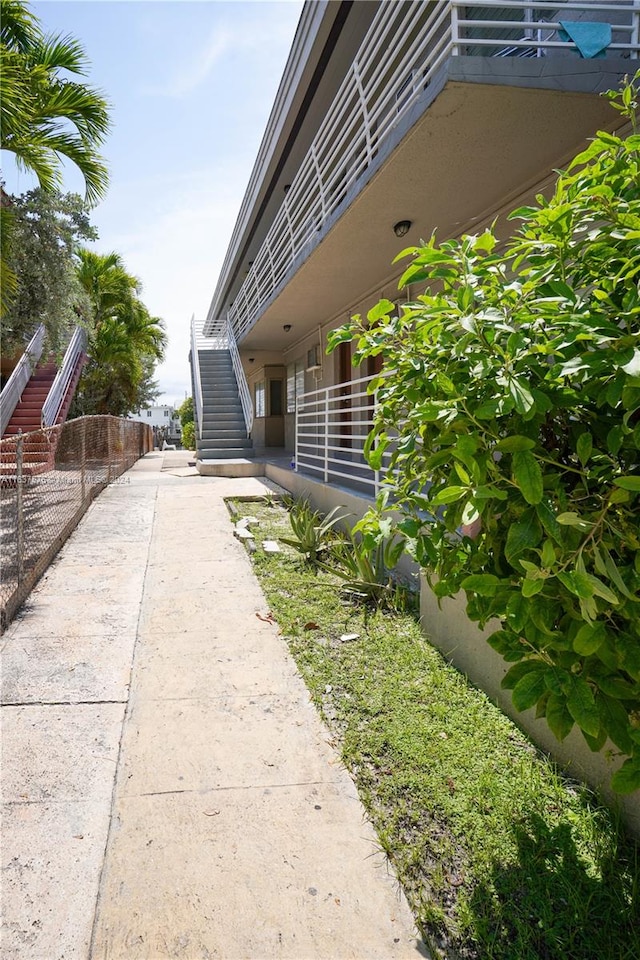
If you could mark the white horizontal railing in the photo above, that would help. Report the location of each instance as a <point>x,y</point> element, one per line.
<point>14,387</point>
<point>243,386</point>
<point>332,426</point>
<point>404,48</point>
<point>60,386</point>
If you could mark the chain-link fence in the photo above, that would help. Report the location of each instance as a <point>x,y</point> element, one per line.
<point>48,479</point>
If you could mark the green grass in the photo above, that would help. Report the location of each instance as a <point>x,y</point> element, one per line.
<point>499,855</point>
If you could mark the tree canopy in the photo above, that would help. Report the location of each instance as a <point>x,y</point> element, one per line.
<point>125,341</point>
<point>44,114</point>
<point>47,228</point>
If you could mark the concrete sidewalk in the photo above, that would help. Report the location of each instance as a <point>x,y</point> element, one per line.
<point>168,788</point>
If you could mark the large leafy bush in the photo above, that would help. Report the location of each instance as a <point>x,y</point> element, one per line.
<point>510,403</point>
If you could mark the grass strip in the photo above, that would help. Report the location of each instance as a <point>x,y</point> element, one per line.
<point>500,856</point>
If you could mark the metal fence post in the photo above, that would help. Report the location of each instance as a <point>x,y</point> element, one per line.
<point>83,448</point>
<point>20,507</point>
<point>109,450</point>
<point>326,436</point>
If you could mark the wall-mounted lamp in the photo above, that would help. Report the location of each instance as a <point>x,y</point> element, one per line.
<point>251,359</point>
<point>286,327</point>
<point>401,228</point>
<point>287,187</point>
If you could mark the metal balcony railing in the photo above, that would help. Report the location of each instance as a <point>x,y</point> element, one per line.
<point>332,426</point>
<point>404,48</point>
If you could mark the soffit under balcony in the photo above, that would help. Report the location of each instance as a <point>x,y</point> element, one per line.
<point>477,149</point>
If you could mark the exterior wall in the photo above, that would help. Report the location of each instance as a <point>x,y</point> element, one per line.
<point>464,645</point>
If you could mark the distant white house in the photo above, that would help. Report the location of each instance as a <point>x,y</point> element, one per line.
<point>163,420</point>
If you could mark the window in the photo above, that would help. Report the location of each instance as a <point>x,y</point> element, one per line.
<point>149,413</point>
<point>166,413</point>
<point>259,399</point>
<point>295,385</point>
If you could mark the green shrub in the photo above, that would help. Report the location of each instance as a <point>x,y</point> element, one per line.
<point>511,408</point>
<point>189,435</point>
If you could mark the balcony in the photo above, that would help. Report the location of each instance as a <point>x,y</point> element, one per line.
<point>503,54</point>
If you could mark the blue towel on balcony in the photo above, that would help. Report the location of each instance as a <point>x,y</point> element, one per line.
<point>591,39</point>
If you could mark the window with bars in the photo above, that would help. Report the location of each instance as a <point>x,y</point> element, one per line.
<point>295,384</point>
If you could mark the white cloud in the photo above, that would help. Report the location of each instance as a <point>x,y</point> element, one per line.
<point>187,77</point>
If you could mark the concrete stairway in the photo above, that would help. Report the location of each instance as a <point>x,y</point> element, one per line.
<point>224,434</point>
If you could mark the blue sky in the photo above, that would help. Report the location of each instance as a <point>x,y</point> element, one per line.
<point>191,83</point>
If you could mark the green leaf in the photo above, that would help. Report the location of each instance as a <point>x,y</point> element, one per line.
<point>548,519</point>
<point>381,310</point>
<point>521,395</point>
<point>597,742</point>
<point>531,587</point>
<point>449,495</point>
<point>616,722</point>
<point>581,705</point>
<point>520,670</point>
<point>589,638</point>
<point>548,554</point>
<point>523,535</point>
<point>628,483</point>
<point>487,492</point>
<point>600,589</point>
<point>584,447</point>
<point>616,687</point>
<point>487,410</point>
<point>572,519</point>
<point>558,717</point>
<point>528,476</point>
<point>514,444</point>
<point>529,689</point>
<point>627,778</point>
<point>484,584</point>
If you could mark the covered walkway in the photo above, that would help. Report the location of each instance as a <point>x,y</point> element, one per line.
<point>168,788</point>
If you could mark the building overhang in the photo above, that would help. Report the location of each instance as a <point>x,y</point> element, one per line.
<point>490,138</point>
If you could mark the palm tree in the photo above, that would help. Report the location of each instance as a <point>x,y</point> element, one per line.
<point>106,282</point>
<point>126,341</point>
<point>44,115</point>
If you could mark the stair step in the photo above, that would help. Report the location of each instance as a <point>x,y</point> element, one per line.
<point>231,454</point>
<point>224,443</point>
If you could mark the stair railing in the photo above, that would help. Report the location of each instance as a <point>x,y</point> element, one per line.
<point>10,396</point>
<point>243,386</point>
<point>60,386</point>
<point>195,371</point>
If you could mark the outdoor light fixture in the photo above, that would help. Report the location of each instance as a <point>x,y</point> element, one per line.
<point>286,327</point>
<point>287,187</point>
<point>401,228</point>
<point>251,359</point>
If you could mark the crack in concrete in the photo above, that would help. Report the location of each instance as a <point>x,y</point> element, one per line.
<point>239,786</point>
<point>62,703</point>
